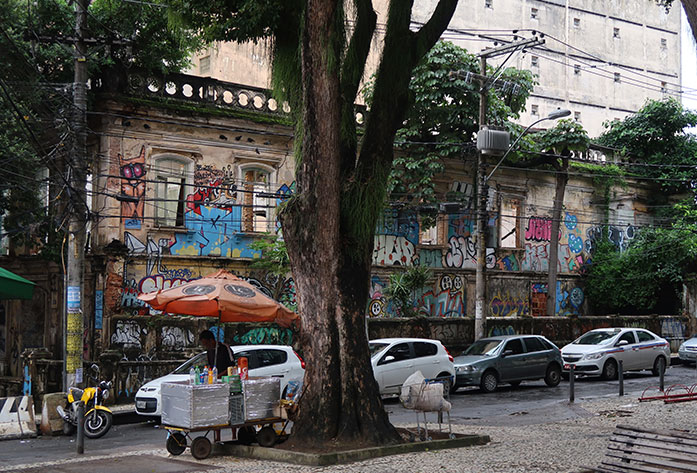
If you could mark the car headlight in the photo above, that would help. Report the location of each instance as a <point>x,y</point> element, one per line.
<point>682,347</point>
<point>466,369</point>
<point>593,356</point>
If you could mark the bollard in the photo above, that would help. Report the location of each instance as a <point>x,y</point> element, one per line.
<point>572,396</point>
<point>661,378</point>
<point>620,374</point>
<point>80,427</point>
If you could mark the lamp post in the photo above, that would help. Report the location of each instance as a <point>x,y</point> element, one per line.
<point>480,284</point>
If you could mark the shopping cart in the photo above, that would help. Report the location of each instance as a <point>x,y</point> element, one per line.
<point>426,396</point>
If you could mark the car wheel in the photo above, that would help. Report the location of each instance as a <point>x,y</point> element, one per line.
<point>514,384</point>
<point>609,370</point>
<point>489,382</point>
<point>447,385</point>
<point>659,365</point>
<point>553,376</point>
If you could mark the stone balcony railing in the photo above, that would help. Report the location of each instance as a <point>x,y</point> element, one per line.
<point>202,90</point>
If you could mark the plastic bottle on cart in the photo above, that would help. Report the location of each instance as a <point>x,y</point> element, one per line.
<point>197,379</point>
<point>192,376</point>
<point>210,376</point>
<point>204,378</point>
<point>214,375</point>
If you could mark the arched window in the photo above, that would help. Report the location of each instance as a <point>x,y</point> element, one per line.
<point>172,175</point>
<point>257,198</point>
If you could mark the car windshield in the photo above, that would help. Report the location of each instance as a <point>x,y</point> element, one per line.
<point>376,347</point>
<point>599,337</point>
<point>198,360</point>
<point>482,347</point>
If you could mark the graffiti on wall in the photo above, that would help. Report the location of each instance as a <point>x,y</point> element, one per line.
<point>569,299</point>
<point>621,237</point>
<point>127,334</point>
<point>377,307</point>
<point>132,171</point>
<point>265,335</point>
<point>509,304</point>
<point>498,330</point>
<point>446,300</point>
<point>177,337</point>
<point>396,238</point>
<point>571,255</point>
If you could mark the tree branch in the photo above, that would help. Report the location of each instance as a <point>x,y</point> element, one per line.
<point>358,49</point>
<point>429,33</point>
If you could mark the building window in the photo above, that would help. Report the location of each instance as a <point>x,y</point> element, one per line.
<point>577,22</point>
<point>577,69</point>
<point>171,177</point>
<point>534,13</point>
<point>617,76</point>
<point>429,236</point>
<point>204,64</point>
<point>664,43</point>
<point>509,223</point>
<point>489,3</point>
<point>577,116</point>
<point>534,110</point>
<point>615,32</point>
<point>534,61</point>
<point>257,200</point>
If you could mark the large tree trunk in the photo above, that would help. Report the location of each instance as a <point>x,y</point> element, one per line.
<point>562,179</point>
<point>328,225</point>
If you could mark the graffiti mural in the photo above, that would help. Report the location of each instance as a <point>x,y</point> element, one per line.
<point>177,337</point>
<point>431,258</point>
<point>569,300</point>
<point>396,238</point>
<point>448,300</point>
<point>498,330</point>
<point>377,307</point>
<point>539,229</point>
<point>621,237</point>
<point>571,255</point>
<point>132,172</point>
<point>265,335</point>
<point>127,334</point>
<point>509,305</point>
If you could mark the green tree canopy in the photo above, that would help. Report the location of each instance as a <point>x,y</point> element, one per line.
<point>444,118</point>
<point>655,139</point>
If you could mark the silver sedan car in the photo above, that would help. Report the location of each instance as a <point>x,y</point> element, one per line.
<point>688,350</point>
<point>598,352</point>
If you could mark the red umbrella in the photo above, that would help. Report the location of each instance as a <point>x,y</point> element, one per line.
<point>221,295</point>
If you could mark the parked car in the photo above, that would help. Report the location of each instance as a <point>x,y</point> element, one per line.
<point>597,353</point>
<point>395,359</point>
<point>688,350</point>
<point>510,359</point>
<point>263,360</point>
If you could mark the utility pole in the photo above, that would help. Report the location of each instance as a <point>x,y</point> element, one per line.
<point>480,239</point>
<point>74,325</point>
<point>482,179</point>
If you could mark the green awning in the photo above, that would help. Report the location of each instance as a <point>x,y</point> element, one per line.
<point>13,286</point>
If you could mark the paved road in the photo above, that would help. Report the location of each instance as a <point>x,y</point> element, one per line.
<point>531,402</point>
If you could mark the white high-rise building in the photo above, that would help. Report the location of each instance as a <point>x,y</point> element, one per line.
<point>601,59</point>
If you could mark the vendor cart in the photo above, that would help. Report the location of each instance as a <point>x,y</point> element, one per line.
<point>203,409</point>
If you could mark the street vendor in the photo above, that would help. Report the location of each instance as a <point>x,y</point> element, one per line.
<point>225,356</point>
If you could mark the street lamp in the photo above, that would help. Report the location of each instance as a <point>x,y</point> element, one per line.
<point>479,283</point>
<point>558,113</point>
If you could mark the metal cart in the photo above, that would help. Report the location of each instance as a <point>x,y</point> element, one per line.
<point>255,414</point>
<point>414,397</point>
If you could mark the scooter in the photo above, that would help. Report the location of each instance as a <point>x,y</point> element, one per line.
<point>98,419</point>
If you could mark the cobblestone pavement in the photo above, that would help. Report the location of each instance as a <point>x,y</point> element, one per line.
<point>535,445</point>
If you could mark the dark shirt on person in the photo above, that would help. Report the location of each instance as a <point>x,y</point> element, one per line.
<point>225,358</point>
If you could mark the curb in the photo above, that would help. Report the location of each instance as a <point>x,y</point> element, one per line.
<point>348,456</point>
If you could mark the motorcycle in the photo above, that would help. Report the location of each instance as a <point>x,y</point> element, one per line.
<point>98,419</point>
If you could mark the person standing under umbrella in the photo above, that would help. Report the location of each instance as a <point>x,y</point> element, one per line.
<point>223,358</point>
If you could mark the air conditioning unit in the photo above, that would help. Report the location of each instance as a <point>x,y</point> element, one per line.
<point>493,142</point>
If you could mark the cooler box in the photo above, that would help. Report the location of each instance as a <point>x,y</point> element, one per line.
<point>261,397</point>
<point>195,405</point>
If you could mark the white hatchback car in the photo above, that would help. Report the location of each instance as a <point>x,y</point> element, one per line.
<point>598,352</point>
<point>395,359</point>
<point>279,361</point>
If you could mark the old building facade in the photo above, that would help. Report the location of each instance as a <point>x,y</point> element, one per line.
<point>188,172</point>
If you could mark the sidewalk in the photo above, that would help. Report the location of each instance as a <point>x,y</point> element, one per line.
<point>534,446</point>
